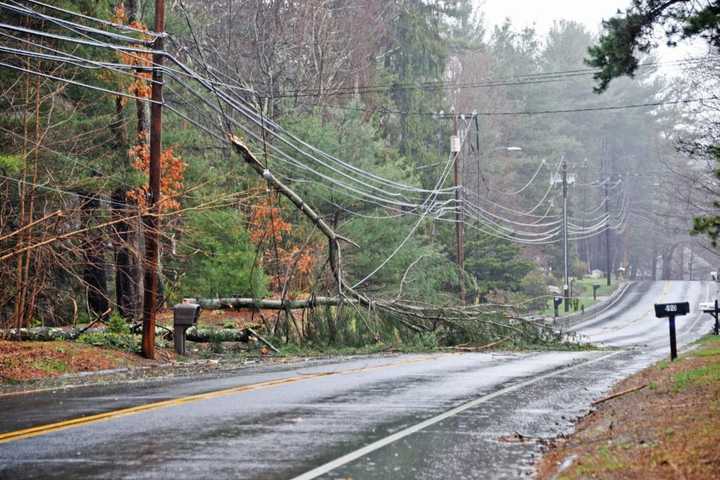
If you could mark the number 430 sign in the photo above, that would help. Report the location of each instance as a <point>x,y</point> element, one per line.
<point>665,310</point>
<point>670,311</point>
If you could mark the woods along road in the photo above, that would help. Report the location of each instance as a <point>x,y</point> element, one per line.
<point>472,415</point>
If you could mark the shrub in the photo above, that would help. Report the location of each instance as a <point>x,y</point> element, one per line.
<point>120,341</point>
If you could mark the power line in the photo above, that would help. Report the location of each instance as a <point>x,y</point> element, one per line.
<point>537,112</point>
<point>518,80</point>
<point>96,20</point>
<point>75,82</point>
<point>490,222</point>
<point>527,185</point>
<point>387,111</point>
<point>20,9</point>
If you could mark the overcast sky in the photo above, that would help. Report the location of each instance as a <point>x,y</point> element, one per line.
<point>541,13</point>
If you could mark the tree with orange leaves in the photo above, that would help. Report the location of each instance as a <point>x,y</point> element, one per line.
<point>173,168</point>
<point>268,225</point>
<point>171,185</point>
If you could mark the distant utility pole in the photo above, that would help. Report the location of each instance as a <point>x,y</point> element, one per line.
<point>456,150</point>
<point>566,256</point>
<point>151,219</point>
<point>606,180</point>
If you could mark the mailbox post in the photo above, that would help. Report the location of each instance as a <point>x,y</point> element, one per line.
<point>185,315</point>
<point>715,312</point>
<point>557,301</point>
<point>670,311</point>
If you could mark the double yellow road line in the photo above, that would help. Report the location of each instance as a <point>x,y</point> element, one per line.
<point>78,422</point>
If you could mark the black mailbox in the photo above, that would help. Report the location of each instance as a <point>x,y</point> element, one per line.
<point>666,310</point>
<point>185,315</point>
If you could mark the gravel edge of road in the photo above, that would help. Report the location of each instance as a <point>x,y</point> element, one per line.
<point>576,319</point>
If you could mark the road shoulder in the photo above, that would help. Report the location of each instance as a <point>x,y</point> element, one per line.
<point>664,423</point>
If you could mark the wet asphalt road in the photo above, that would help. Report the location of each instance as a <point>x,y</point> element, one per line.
<point>410,416</point>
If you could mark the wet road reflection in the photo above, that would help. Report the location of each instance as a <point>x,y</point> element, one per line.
<point>288,429</point>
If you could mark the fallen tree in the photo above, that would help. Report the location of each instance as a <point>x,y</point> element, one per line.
<point>417,317</point>
<point>44,334</point>
<point>268,304</point>
<point>207,335</point>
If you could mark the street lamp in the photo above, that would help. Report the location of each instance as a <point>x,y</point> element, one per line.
<point>496,149</point>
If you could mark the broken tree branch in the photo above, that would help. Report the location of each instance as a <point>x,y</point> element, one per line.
<point>307,210</point>
<point>619,394</point>
<point>263,340</point>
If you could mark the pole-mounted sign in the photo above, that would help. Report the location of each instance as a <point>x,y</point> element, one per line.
<point>670,311</point>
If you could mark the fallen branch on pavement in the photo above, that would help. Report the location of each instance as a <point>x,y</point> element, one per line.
<point>464,348</point>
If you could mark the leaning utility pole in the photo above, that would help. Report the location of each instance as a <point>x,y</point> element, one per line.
<point>456,150</point>
<point>566,257</point>
<point>151,218</point>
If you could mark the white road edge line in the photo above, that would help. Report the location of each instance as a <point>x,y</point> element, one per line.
<point>361,452</point>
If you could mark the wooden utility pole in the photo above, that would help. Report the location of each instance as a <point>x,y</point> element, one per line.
<point>606,180</point>
<point>566,254</point>
<point>456,150</point>
<point>151,219</point>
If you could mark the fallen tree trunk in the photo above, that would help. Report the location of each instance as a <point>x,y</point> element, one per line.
<point>42,334</point>
<point>51,334</point>
<point>206,335</point>
<point>268,304</point>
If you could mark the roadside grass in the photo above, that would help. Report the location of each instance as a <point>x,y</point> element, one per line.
<point>712,352</point>
<point>604,460</point>
<point>51,365</point>
<point>121,341</point>
<point>604,290</point>
<point>24,361</point>
<point>663,364</point>
<point>706,375</point>
<point>669,430</point>
<point>583,288</point>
